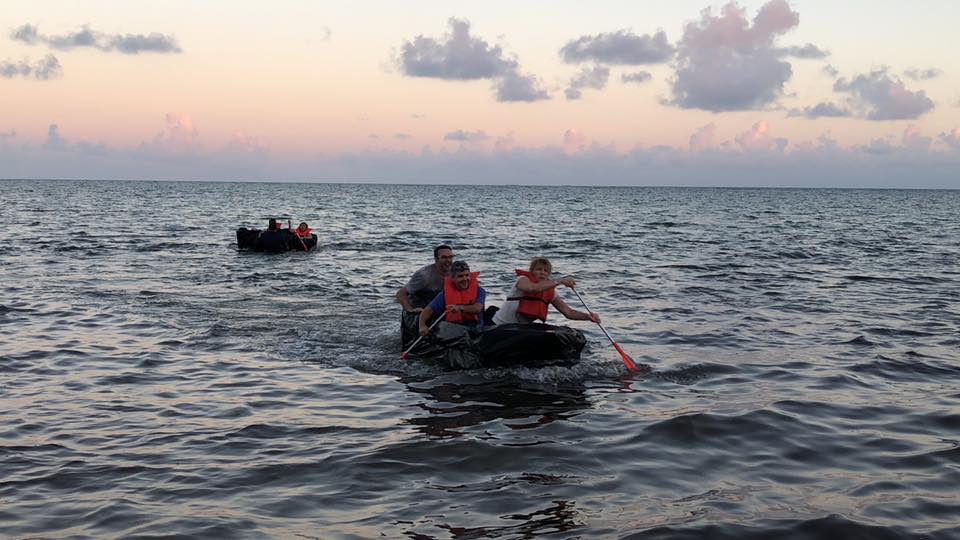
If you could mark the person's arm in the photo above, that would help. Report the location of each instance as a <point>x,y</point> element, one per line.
<point>435,306</point>
<point>403,296</point>
<point>571,313</point>
<point>524,284</point>
<point>472,309</point>
<point>425,315</point>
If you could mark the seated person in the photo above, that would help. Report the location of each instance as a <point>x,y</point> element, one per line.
<point>302,230</point>
<point>462,299</point>
<point>533,293</point>
<point>272,240</point>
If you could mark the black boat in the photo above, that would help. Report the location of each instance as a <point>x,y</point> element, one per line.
<point>458,347</point>
<point>253,240</point>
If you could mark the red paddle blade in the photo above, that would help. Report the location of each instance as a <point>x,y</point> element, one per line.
<point>626,358</point>
<point>403,355</point>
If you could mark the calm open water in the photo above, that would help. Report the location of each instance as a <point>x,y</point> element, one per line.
<point>804,348</point>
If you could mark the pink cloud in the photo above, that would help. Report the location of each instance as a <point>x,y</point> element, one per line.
<point>758,138</point>
<point>914,141</point>
<point>952,138</point>
<point>702,139</point>
<point>505,143</point>
<point>573,141</point>
<point>725,63</point>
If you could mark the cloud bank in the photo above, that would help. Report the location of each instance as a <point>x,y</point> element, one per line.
<point>755,157</point>
<point>89,38</point>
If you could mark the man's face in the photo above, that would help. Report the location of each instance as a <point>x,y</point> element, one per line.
<point>444,260</point>
<point>461,280</point>
<point>541,272</point>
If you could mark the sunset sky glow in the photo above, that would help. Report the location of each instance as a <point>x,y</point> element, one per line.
<point>771,92</point>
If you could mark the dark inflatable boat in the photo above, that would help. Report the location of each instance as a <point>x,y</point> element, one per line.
<point>273,241</point>
<point>457,347</point>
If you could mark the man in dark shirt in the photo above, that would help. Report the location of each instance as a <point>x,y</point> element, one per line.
<point>272,240</point>
<point>427,282</point>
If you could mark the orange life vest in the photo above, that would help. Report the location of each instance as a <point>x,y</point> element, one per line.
<point>533,305</point>
<point>303,233</point>
<point>452,296</point>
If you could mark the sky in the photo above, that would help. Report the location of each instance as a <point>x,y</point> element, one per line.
<point>801,93</point>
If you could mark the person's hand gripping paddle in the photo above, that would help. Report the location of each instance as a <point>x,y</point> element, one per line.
<point>403,356</point>
<point>626,357</point>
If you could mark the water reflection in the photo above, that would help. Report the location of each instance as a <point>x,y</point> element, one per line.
<point>451,406</point>
<point>561,516</point>
<point>558,518</point>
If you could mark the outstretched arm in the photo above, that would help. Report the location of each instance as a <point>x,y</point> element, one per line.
<point>525,285</point>
<point>573,314</point>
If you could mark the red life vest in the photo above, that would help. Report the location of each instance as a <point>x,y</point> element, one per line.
<point>303,233</point>
<point>533,305</point>
<point>453,296</point>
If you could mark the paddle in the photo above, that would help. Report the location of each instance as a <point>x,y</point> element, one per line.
<point>626,357</point>
<point>406,352</point>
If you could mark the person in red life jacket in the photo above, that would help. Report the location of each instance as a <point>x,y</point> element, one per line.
<point>462,299</point>
<point>302,230</point>
<point>533,293</point>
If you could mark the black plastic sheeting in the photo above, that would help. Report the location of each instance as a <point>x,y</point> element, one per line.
<point>286,240</point>
<point>458,347</point>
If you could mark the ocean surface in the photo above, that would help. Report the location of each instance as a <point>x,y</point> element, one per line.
<point>802,351</point>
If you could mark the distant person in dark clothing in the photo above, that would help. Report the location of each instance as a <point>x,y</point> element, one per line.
<point>272,240</point>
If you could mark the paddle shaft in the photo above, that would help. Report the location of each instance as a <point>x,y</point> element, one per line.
<point>440,318</point>
<point>626,357</point>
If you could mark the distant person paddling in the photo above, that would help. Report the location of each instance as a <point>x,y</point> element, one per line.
<point>533,293</point>
<point>303,231</point>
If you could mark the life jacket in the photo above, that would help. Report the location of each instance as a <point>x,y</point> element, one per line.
<point>453,296</point>
<point>533,305</point>
<point>303,233</point>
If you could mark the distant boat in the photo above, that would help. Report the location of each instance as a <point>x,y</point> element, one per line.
<point>285,240</point>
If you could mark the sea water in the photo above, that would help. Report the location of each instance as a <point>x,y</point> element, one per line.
<point>803,349</point>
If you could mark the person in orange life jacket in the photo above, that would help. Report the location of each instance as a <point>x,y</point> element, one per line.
<point>462,299</point>
<point>426,282</point>
<point>533,293</point>
<point>302,230</point>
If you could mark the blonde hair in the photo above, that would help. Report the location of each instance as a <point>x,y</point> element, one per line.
<point>541,261</point>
